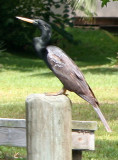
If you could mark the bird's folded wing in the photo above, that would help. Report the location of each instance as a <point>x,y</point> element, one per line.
<point>64,68</point>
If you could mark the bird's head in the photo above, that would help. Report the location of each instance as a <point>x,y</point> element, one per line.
<point>38,22</point>
<point>42,24</point>
<point>41,42</point>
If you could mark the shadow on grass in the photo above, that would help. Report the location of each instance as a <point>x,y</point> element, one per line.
<point>46,74</point>
<point>18,63</point>
<point>101,70</point>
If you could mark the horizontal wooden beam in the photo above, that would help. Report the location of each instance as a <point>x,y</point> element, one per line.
<point>84,125</point>
<point>21,123</point>
<point>16,123</point>
<point>13,133</point>
<point>96,21</point>
<point>13,137</point>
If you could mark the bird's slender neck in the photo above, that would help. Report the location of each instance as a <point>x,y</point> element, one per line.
<point>45,36</point>
<point>40,43</point>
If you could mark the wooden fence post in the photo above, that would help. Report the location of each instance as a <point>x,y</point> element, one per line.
<point>48,121</point>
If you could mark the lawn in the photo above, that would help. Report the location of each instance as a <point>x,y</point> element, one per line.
<point>95,53</point>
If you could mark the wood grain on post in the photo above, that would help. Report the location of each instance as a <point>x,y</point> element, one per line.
<point>48,120</point>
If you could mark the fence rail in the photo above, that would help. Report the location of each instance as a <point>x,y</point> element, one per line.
<point>13,133</point>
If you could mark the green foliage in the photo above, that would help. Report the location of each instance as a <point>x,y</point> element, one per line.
<point>114,60</point>
<point>94,43</point>
<point>104,2</point>
<point>19,34</point>
<point>87,6</point>
<point>1,47</point>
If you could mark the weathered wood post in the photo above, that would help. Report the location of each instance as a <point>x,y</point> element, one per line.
<point>48,121</point>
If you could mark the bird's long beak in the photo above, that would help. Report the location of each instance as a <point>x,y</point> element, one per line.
<point>26,19</point>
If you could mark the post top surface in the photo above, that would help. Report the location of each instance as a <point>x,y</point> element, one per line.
<point>50,99</point>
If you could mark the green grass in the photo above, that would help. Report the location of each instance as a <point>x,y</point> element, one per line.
<point>93,47</point>
<point>21,76</point>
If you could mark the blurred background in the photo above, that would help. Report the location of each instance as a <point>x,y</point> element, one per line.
<point>88,32</point>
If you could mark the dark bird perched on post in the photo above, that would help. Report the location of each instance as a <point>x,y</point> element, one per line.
<point>63,67</point>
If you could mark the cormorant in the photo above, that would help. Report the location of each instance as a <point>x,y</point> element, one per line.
<point>63,67</point>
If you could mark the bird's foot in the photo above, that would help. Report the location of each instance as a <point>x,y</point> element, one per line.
<point>63,91</point>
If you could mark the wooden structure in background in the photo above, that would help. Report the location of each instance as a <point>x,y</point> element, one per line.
<point>96,21</point>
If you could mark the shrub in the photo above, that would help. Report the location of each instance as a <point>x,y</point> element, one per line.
<point>19,35</point>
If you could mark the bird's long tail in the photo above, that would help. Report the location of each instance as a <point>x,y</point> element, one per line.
<point>97,109</point>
